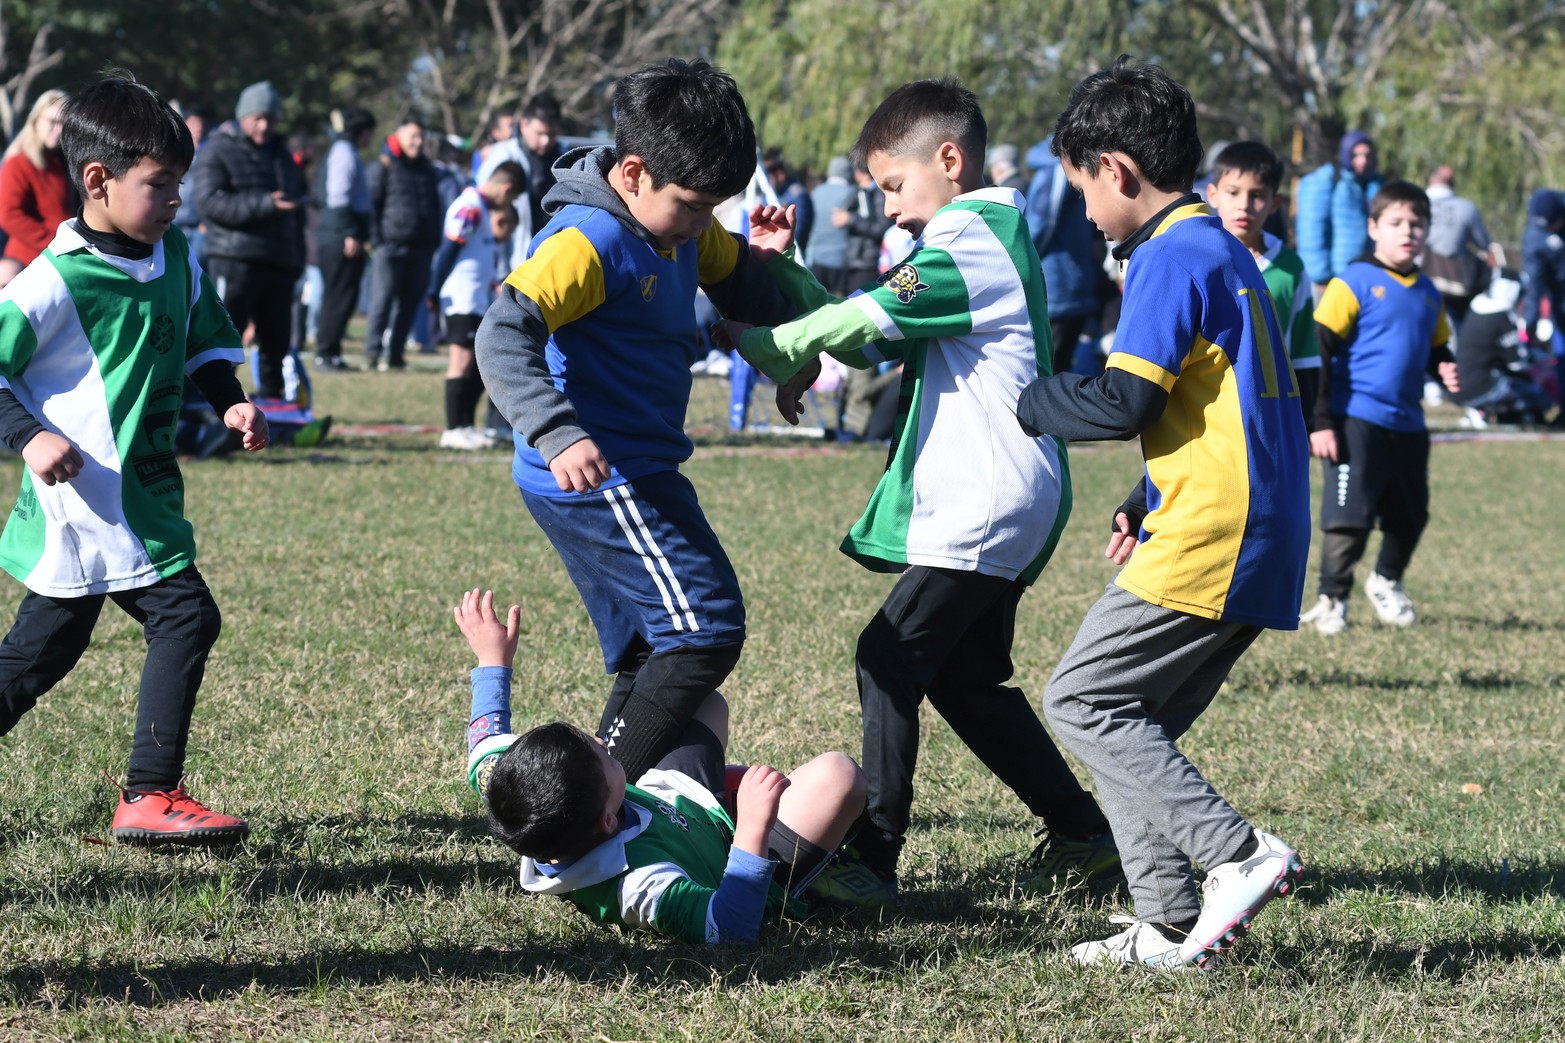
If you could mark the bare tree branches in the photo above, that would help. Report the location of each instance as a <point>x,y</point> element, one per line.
<point>480,57</point>
<point>16,90</point>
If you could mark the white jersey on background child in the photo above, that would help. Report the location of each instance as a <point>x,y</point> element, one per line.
<point>470,288</point>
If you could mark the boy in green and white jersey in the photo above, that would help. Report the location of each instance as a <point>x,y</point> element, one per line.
<point>970,507</point>
<point>97,337</point>
<point>1246,177</point>
<point>664,853</point>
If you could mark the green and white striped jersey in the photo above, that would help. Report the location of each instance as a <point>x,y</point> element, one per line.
<point>1283,273</point>
<point>965,488</point>
<point>97,348</point>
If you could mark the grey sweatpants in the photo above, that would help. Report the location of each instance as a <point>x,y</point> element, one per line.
<point>1133,681</point>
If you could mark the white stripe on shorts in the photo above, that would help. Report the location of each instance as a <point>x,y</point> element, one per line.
<point>652,557</point>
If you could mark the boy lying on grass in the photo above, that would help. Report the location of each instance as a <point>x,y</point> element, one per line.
<point>664,854</point>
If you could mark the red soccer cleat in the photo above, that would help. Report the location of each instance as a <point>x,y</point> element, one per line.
<point>157,817</point>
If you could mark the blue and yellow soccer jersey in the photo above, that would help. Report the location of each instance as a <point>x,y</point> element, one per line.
<point>1228,504</point>
<point>622,335</point>
<point>1389,322</point>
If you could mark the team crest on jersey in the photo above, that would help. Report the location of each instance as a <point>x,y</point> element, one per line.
<point>161,335</point>
<point>903,281</point>
<point>649,287</point>
<point>673,816</point>
<point>1379,292</point>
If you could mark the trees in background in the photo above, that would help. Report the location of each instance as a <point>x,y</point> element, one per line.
<point>1475,85</point>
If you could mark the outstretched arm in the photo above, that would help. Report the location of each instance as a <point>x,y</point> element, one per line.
<point>493,641</point>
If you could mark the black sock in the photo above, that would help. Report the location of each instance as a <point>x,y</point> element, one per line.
<point>877,848</point>
<point>454,404</point>
<point>467,402</point>
<point>1175,932</point>
<point>641,734</point>
<point>1248,851</point>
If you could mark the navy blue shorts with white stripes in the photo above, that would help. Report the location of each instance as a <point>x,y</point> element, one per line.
<point>647,564</point>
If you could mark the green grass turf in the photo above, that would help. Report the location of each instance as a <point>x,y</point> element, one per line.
<point>371,905</point>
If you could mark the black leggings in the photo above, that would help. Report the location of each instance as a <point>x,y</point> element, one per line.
<point>181,623</point>
<point>946,635</point>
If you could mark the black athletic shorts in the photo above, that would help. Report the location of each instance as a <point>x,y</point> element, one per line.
<point>462,330</point>
<point>1380,474</point>
<point>700,756</point>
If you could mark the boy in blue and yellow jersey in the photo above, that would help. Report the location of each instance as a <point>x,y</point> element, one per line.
<point>1219,525</point>
<point>587,352</point>
<point>1381,329</point>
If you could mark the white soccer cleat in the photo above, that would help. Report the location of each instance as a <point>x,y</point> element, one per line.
<point>1234,892</point>
<point>1390,599</point>
<point>1139,944</point>
<point>1329,616</point>
<point>466,439</point>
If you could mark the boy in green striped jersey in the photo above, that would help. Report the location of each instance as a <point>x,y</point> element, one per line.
<point>970,506</point>
<point>97,337</point>
<point>1246,177</point>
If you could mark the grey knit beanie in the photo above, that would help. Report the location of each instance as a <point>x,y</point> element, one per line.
<point>258,97</point>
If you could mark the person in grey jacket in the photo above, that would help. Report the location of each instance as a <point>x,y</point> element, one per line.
<point>250,194</point>
<point>343,235</point>
<point>828,253</point>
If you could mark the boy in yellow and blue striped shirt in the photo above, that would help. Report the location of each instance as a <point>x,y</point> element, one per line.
<point>1213,541</point>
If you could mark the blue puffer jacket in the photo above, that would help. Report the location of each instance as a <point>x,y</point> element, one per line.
<point>1062,235</point>
<point>1332,229</point>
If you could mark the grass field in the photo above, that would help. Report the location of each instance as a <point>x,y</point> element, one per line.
<point>1418,772</point>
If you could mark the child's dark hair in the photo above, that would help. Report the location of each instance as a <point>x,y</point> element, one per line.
<point>547,794</point>
<point>688,123</point>
<point>1394,192</point>
<point>542,106</point>
<point>118,122</point>
<point>1137,109</point>
<point>1249,157</point>
<point>511,173</point>
<point>356,121</point>
<point>918,116</point>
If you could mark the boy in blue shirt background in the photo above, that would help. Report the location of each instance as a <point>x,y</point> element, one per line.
<point>1381,329</point>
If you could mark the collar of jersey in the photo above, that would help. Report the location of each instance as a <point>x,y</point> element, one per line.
<point>68,239</point>
<point>603,862</point>
<point>1407,278</point>
<point>1189,205</point>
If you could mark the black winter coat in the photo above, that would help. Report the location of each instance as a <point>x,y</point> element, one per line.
<point>405,205</point>
<point>235,180</point>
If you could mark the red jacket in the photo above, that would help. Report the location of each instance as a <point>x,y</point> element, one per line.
<point>33,202</point>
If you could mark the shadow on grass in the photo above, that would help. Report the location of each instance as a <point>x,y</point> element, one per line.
<point>294,860</point>
<point>1451,960</point>
<point>1481,680</point>
<point>975,905</point>
<point>1510,624</point>
<point>1494,883</point>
